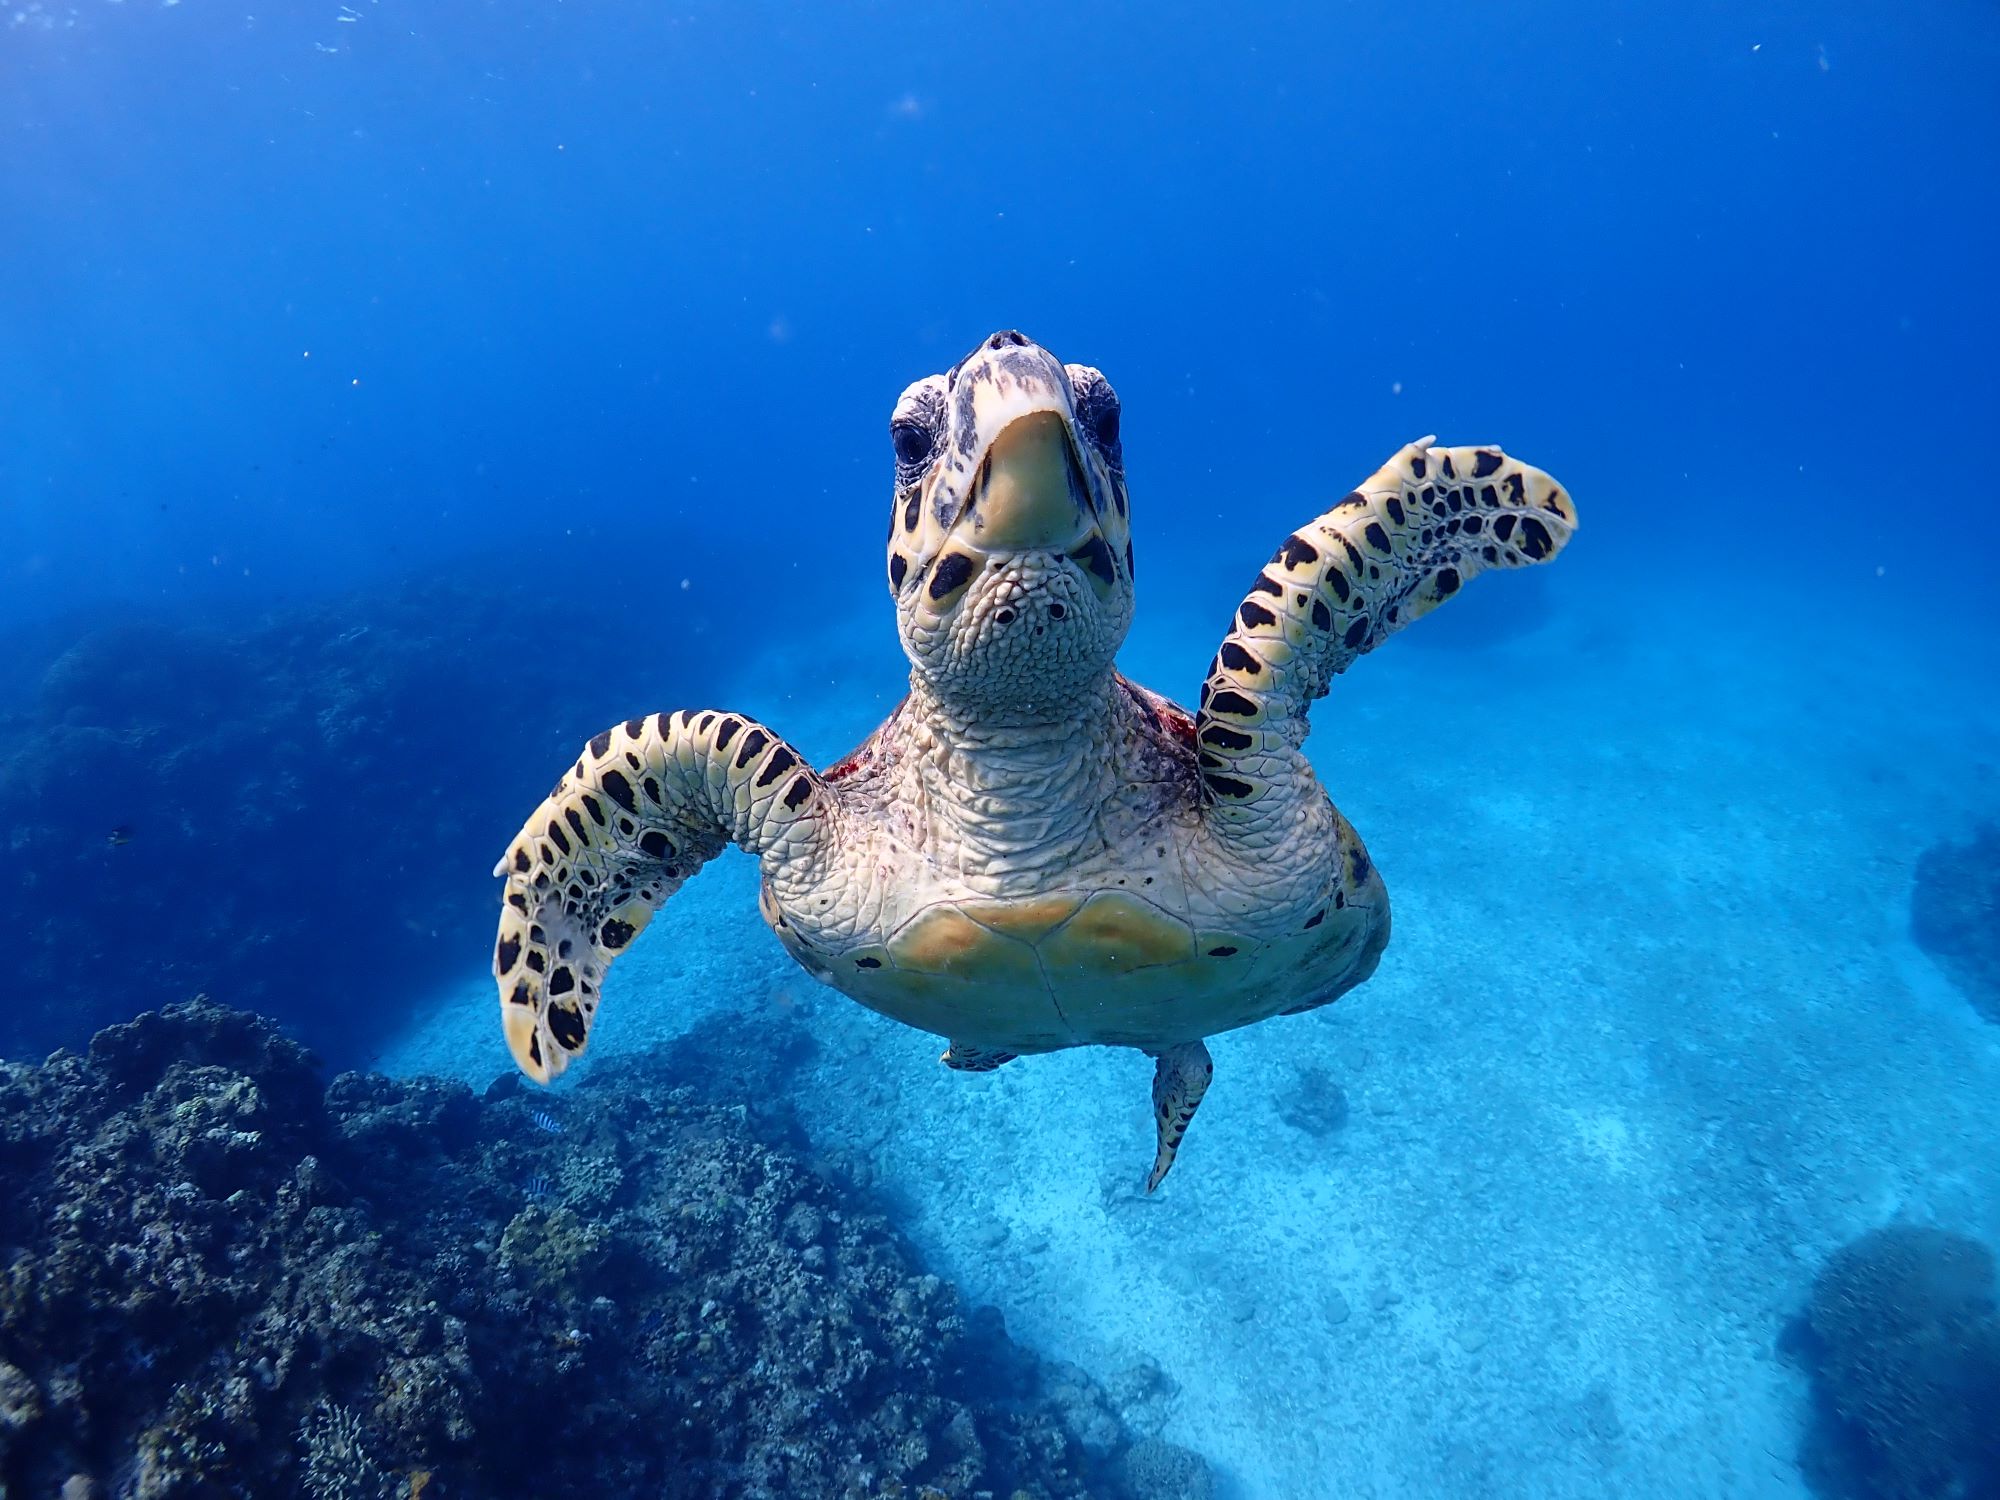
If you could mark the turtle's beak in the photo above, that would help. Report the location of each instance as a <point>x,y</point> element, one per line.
<point>1031,494</point>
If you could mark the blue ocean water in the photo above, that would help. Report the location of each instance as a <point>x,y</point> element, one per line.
<point>393,396</point>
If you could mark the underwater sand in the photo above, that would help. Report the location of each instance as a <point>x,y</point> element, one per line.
<point>1651,1041</point>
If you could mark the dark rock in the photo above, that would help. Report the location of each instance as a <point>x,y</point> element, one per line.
<point>1955,915</point>
<point>1086,1408</point>
<point>134,1055</point>
<point>1314,1103</point>
<point>1598,1414</point>
<point>221,1280</point>
<point>1902,1341</point>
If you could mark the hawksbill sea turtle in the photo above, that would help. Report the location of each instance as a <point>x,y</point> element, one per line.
<point>1033,852</point>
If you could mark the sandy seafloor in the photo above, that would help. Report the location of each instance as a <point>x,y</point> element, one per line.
<point>1651,1041</point>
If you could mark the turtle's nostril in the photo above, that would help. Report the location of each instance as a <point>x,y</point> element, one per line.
<point>1007,337</point>
<point>1057,611</point>
<point>1003,617</point>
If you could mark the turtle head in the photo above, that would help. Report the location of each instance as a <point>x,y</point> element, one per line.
<point>1010,551</point>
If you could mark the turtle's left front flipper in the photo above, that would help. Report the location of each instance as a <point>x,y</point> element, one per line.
<point>646,805</point>
<point>1408,539</point>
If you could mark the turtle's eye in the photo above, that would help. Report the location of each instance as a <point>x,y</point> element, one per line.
<point>912,442</point>
<point>1102,415</point>
<point>1096,408</point>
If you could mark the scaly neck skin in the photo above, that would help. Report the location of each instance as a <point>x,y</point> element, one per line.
<point>1011,795</point>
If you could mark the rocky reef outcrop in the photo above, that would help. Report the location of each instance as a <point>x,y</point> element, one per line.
<point>222,1276</point>
<point>222,805</point>
<point>1901,1336</point>
<point>1955,914</point>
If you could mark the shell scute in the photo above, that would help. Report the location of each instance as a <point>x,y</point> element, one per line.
<point>943,940</point>
<point>1030,919</point>
<point>1114,933</point>
<point>971,1009</point>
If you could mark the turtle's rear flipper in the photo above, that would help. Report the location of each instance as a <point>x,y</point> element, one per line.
<point>966,1058</point>
<point>646,805</point>
<point>1180,1078</point>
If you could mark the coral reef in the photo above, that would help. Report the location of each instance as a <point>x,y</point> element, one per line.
<point>1902,1339</point>
<point>224,1278</point>
<point>1955,914</point>
<point>197,807</point>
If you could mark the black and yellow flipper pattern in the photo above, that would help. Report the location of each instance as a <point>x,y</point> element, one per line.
<point>1415,533</point>
<point>645,806</point>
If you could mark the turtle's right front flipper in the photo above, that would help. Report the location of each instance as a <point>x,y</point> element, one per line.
<point>646,805</point>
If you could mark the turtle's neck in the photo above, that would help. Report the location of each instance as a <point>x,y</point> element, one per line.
<point>1011,794</point>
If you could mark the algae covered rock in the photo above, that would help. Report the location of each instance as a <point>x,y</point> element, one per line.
<point>223,1279</point>
<point>1902,1338</point>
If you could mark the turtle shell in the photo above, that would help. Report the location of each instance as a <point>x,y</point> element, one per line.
<point>1106,966</point>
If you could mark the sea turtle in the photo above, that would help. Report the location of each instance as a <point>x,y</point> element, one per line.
<point>1033,852</point>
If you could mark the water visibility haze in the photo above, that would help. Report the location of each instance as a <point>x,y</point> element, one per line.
<point>394,396</point>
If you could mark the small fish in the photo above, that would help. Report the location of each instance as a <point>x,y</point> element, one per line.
<point>537,1188</point>
<point>543,1120</point>
<point>122,834</point>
